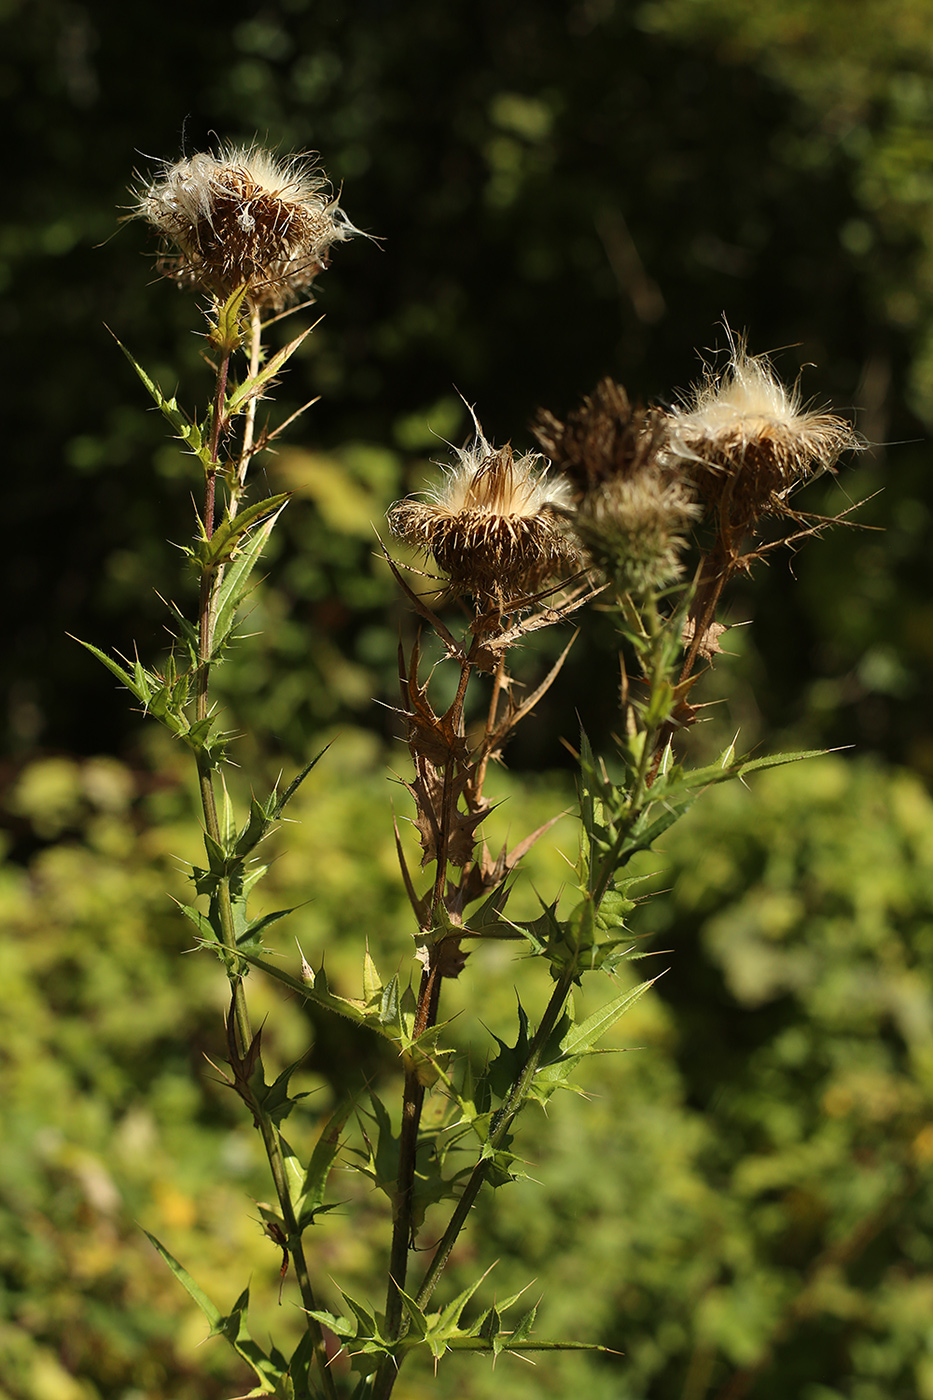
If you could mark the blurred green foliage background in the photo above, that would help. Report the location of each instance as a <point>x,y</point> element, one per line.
<point>743,1205</point>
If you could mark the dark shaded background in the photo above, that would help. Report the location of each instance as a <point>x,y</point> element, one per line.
<point>561,191</point>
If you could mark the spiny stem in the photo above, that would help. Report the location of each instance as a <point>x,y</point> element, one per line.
<point>249,427</point>
<point>501,1125</point>
<point>218,419</point>
<point>210,583</point>
<point>714,575</point>
<point>412,1104</point>
<point>425,1018</point>
<point>655,677</point>
<point>225,906</point>
<point>709,590</point>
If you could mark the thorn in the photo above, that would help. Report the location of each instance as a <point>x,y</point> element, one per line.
<point>307,971</point>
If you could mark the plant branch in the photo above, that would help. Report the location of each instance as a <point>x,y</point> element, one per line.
<point>498,1131</point>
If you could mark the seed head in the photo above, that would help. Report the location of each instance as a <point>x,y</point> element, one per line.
<point>243,216</point>
<point>493,526</point>
<point>747,442</point>
<point>632,530</point>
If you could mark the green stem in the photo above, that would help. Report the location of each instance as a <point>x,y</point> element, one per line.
<point>412,1104</point>
<point>655,677</point>
<point>500,1128</point>
<point>225,906</point>
<point>639,796</point>
<point>387,1373</point>
<point>295,1246</point>
<point>210,584</point>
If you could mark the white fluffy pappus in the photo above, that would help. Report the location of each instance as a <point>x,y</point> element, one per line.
<point>493,525</point>
<point>745,407</point>
<point>241,216</point>
<point>747,442</point>
<point>187,188</point>
<point>491,480</point>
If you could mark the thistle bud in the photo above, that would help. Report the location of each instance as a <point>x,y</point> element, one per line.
<point>633,531</point>
<point>244,217</point>
<point>493,527</point>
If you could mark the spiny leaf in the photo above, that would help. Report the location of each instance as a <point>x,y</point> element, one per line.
<point>185,430</point>
<point>226,333</point>
<point>582,1036</point>
<point>223,544</point>
<point>256,385</point>
<point>132,681</point>
<point>316,990</point>
<point>372,982</point>
<point>201,922</point>
<point>235,584</point>
<point>258,926</point>
<point>504,1343</point>
<point>295,783</point>
<point>275,1099</point>
<point>231,1326</point>
<point>739,768</point>
<point>210,1311</point>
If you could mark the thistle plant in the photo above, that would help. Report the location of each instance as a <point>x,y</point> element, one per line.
<point>644,513</point>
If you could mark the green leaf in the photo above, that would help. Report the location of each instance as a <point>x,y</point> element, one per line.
<point>132,681</point>
<point>162,699</point>
<point>275,1099</point>
<point>417,1322</point>
<point>185,430</point>
<point>212,1313</point>
<point>256,385</point>
<point>505,1070</point>
<point>257,826</point>
<point>322,1159</point>
<point>315,989</point>
<point>468,1343</point>
<point>380,1160</point>
<point>449,1316</point>
<point>226,334</point>
<point>232,1326</point>
<point>724,772</point>
<point>296,782</point>
<point>258,926</point>
<point>582,1036</point>
<point>225,541</point>
<point>372,982</point>
<point>201,922</point>
<point>235,585</point>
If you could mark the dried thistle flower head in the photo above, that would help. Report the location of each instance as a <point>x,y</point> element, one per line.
<point>244,216</point>
<point>603,439</point>
<point>632,530</point>
<point>747,442</point>
<point>493,526</point>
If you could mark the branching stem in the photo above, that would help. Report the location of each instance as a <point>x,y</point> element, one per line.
<point>503,1121</point>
